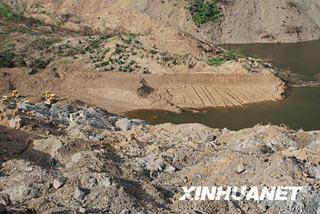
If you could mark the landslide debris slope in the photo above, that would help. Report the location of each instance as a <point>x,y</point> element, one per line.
<point>68,158</point>
<point>110,68</point>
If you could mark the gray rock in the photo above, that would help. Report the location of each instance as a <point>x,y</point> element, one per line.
<point>5,199</point>
<point>240,168</point>
<point>125,211</point>
<point>80,194</point>
<point>59,182</point>
<point>155,165</point>
<point>125,124</point>
<point>15,123</point>
<point>21,193</point>
<point>28,168</point>
<point>71,115</point>
<point>83,210</point>
<point>26,107</point>
<point>92,181</point>
<point>210,139</point>
<point>170,168</point>
<point>106,182</point>
<point>74,116</point>
<point>3,208</point>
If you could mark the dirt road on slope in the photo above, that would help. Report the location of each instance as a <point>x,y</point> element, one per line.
<point>121,92</point>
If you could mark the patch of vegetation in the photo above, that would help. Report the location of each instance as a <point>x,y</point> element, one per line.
<point>95,43</point>
<point>31,22</point>
<point>232,55</point>
<point>7,59</point>
<point>39,64</point>
<point>42,43</point>
<point>226,56</point>
<point>130,38</point>
<point>87,31</point>
<point>216,61</point>
<point>7,14</point>
<point>203,11</point>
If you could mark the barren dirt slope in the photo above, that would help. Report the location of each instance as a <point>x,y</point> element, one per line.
<point>245,21</point>
<point>249,21</point>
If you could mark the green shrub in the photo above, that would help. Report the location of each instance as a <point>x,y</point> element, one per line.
<point>7,59</point>
<point>227,56</point>
<point>39,64</point>
<point>7,14</point>
<point>216,61</point>
<point>203,11</point>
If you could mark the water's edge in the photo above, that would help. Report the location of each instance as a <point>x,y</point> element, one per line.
<point>299,110</point>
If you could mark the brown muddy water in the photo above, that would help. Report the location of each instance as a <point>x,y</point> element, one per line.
<point>300,110</point>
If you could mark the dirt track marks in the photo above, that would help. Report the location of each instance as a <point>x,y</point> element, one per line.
<point>118,92</point>
<point>216,90</point>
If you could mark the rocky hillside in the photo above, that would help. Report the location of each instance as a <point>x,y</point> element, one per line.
<point>247,21</point>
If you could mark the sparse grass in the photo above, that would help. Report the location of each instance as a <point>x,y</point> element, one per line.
<point>95,44</point>
<point>203,11</point>
<point>31,22</point>
<point>232,55</point>
<point>87,31</point>
<point>42,43</point>
<point>119,48</point>
<point>129,39</point>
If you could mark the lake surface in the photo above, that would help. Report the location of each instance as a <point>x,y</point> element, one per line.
<point>300,110</point>
<point>300,58</point>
